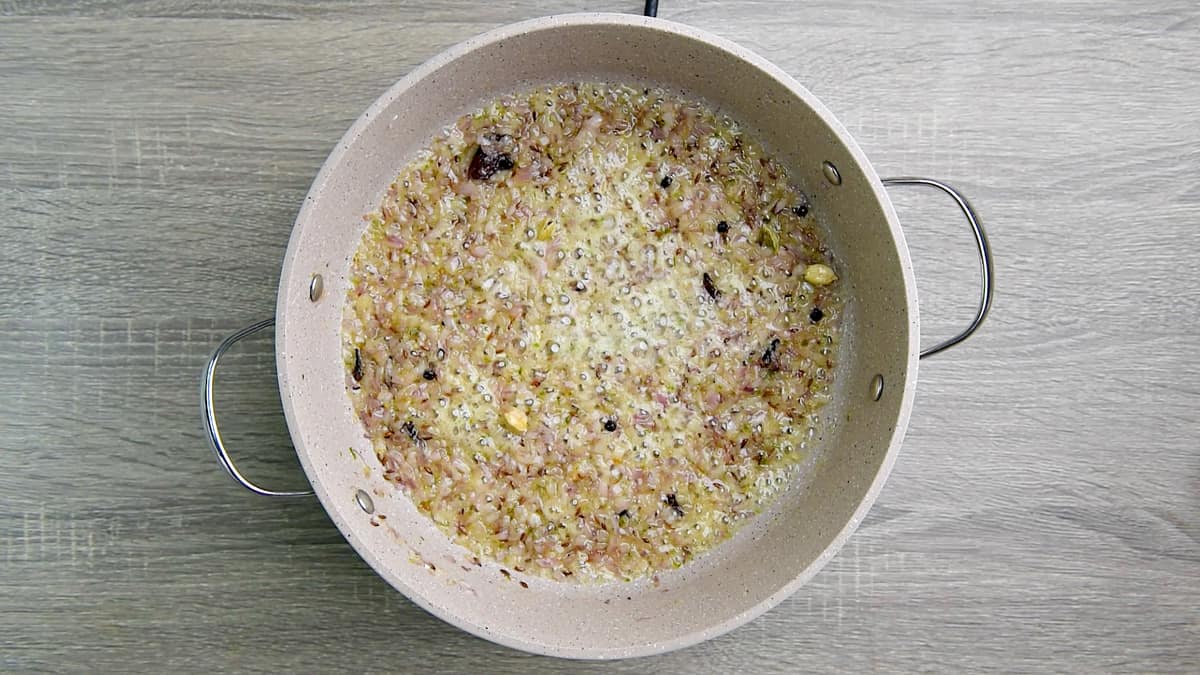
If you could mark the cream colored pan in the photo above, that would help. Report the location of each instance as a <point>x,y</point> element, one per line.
<point>777,551</point>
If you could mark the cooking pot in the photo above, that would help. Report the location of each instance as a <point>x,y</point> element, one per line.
<point>776,551</point>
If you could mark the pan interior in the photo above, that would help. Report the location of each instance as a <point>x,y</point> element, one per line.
<point>774,553</point>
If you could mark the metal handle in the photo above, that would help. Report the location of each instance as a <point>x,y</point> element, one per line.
<point>985,258</point>
<point>210,414</point>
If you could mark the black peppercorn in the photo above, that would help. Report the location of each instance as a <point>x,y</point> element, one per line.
<point>673,502</point>
<point>768,359</point>
<point>710,287</point>
<point>816,314</point>
<point>801,209</point>
<point>610,425</point>
<point>722,227</point>
<point>666,181</point>
<point>410,430</point>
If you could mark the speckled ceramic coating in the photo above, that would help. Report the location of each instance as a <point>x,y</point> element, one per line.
<point>767,560</point>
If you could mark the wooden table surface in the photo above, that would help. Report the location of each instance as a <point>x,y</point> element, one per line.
<point>1045,511</point>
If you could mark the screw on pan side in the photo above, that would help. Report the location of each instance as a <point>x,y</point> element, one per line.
<point>364,501</point>
<point>316,287</point>
<point>831,173</point>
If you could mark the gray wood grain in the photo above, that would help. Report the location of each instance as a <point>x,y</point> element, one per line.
<point>1045,512</point>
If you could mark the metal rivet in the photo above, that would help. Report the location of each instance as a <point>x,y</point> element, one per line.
<point>315,287</point>
<point>877,387</point>
<point>831,173</point>
<point>364,501</point>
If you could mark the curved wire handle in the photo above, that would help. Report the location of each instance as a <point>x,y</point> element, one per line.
<point>210,415</point>
<point>985,258</point>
